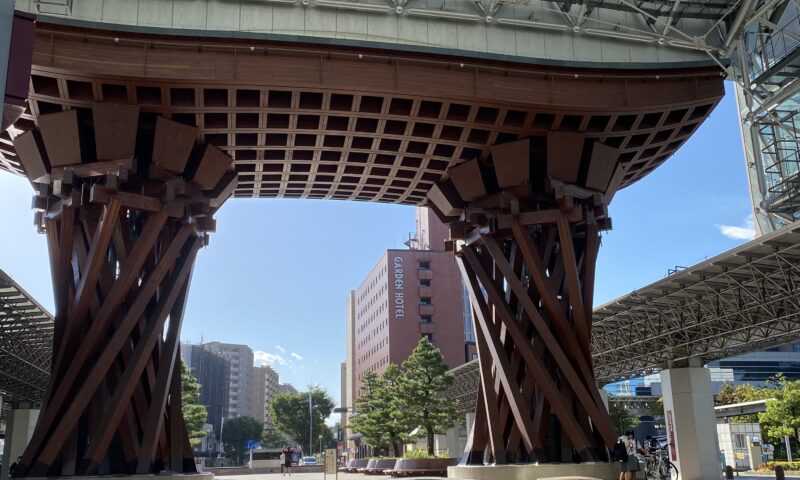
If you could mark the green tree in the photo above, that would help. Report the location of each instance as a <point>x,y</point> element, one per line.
<point>290,413</point>
<point>236,432</point>
<point>782,417</point>
<point>622,418</point>
<point>730,394</point>
<point>274,438</point>
<point>380,418</point>
<point>726,395</point>
<point>194,413</point>
<point>421,397</point>
<point>657,410</point>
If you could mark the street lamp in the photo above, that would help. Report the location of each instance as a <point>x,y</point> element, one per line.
<point>320,445</point>
<point>310,425</point>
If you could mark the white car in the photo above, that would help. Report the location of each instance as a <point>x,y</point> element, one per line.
<point>308,461</point>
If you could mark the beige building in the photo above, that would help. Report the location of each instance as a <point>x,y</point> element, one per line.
<point>265,387</point>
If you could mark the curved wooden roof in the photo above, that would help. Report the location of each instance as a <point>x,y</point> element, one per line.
<point>310,121</point>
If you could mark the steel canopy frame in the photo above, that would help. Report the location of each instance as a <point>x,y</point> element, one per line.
<point>741,301</point>
<point>26,337</point>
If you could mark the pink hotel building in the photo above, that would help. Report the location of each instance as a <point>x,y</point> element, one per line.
<point>407,295</point>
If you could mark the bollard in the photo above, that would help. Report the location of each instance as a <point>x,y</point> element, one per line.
<point>779,475</point>
<point>728,472</point>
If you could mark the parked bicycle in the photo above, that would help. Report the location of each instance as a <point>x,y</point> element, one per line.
<point>657,465</point>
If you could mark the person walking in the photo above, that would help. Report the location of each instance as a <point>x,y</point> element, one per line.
<point>631,466</point>
<point>288,461</point>
<point>283,461</point>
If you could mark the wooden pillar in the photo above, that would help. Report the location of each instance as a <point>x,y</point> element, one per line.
<point>126,204</point>
<point>525,227</point>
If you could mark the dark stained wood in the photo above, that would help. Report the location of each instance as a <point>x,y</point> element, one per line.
<point>564,151</point>
<point>121,260</point>
<point>467,179</point>
<point>512,162</point>
<point>213,165</point>
<point>60,136</point>
<point>431,116</point>
<point>29,148</point>
<point>488,392</point>
<point>173,144</point>
<point>601,166</point>
<point>474,274</point>
<point>115,128</point>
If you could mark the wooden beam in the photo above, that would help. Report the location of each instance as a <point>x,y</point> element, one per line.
<point>565,365</point>
<point>578,437</point>
<point>116,407</point>
<point>510,385</point>
<point>539,217</point>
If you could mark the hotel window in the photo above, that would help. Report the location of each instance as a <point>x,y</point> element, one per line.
<point>424,283</point>
<point>425,265</point>
<point>425,319</point>
<point>425,300</point>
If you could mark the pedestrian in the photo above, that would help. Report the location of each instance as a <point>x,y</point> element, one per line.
<point>283,460</point>
<point>13,467</point>
<point>631,466</point>
<point>288,461</point>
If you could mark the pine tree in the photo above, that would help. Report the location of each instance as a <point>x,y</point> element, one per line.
<point>421,396</point>
<point>368,420</point>
<point>194,413</point>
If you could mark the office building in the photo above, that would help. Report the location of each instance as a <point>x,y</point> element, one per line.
<point>286,388</point>
<point>212,371</point>
<point>240,393</point>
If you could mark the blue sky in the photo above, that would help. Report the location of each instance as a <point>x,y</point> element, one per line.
<point>277,272</point>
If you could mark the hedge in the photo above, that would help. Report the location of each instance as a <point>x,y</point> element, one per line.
<point>787,466</point>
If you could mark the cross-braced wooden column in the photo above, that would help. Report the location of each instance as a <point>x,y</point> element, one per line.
<point>525,224</point>
<point>126,201</point>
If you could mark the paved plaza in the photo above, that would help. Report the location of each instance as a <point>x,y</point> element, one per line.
<point>358,476</point>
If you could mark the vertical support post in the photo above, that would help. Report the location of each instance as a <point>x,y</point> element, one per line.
<point>526,239</point>
<point>123,238</point>
<point>19,430</point>
<point>691,423</point>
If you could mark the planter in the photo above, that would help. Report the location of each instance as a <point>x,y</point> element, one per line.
<point>414,467</point>
<point>353,466</point>
<point>380,466</point>
<point>370,465</point>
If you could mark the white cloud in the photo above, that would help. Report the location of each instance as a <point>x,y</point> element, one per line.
<point>265,358</point>
<point>296,356</point>
<point>745,231</point>
<point>280,349</point>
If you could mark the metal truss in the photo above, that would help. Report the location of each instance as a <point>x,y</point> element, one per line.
<point>26,337</point>
<point>765,63</point>
<point>744,300</point>
<point>465,387</point>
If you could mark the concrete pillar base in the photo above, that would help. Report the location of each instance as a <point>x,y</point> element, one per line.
<point>21,422</point>
<point>691,423</point>
<point>594,471</point>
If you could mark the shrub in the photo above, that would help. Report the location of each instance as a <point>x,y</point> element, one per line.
<point>787,466</point>
<point>424,454</point>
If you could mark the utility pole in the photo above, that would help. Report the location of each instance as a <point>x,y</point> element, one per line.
<point>310,425</point>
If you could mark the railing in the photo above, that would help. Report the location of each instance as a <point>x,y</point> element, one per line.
<point>771,48</point>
